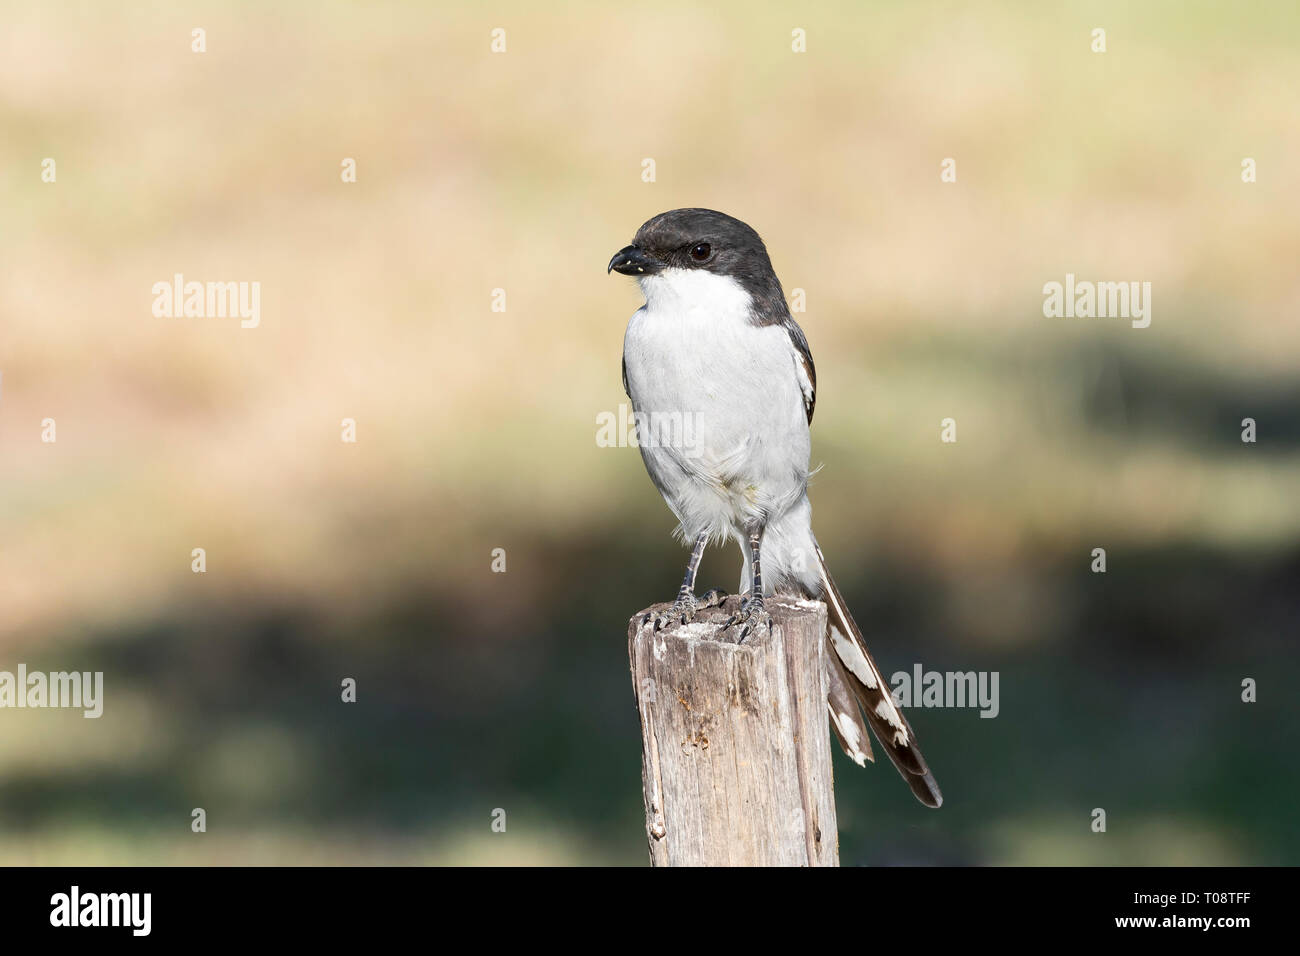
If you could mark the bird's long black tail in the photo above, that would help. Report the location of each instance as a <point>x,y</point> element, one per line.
<point>854,679</point>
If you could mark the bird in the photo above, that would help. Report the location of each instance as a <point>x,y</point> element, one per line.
<point>723,388</point>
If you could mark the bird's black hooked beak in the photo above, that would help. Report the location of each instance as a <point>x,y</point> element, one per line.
<point>631,261</point>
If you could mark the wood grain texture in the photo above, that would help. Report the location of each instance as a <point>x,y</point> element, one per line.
<point>736,759</point>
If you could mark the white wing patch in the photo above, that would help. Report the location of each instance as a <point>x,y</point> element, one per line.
<point>886,710</point>
<point>849,731</point>
<point>806,386</point>
<point>862,669</point>
<point>854,659</point>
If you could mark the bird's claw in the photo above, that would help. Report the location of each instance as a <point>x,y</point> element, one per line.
<point>684,609</point>
<point>752,616</point>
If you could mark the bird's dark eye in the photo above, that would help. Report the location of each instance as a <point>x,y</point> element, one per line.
<point>700,251</point>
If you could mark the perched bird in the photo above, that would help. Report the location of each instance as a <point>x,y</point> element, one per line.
<point>715,354</point>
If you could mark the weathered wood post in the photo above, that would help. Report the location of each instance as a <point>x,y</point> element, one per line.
<point>735,747</point>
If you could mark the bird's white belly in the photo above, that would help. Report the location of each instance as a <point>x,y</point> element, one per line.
<point>720,414</point>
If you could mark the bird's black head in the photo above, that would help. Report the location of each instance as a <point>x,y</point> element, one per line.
<point>703,239</point>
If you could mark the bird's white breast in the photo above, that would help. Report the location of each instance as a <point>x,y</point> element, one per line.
<point>693,354</point>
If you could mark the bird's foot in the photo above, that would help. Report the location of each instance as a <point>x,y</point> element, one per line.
<point>684,609</point>
<point>752,618</point>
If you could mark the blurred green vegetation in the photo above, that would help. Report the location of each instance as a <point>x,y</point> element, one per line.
<point>476,429</point>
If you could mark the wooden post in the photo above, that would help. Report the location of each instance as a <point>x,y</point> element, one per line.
<point>735,745</point>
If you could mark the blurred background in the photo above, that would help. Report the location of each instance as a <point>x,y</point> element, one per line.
<point>476,429</point>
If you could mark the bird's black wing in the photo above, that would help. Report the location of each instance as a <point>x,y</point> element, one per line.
<point>803,356</point>
<point>855,672</point>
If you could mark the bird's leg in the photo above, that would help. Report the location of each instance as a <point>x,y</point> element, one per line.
<point>752,615</point>
<point>683,609</point>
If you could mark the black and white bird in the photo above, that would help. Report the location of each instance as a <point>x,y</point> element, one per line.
<point>715,349</point>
